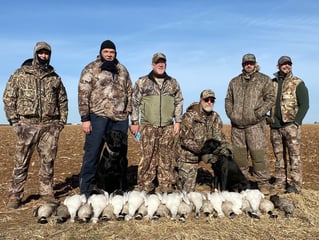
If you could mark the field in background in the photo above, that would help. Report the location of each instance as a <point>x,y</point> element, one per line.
<point>19,224</point>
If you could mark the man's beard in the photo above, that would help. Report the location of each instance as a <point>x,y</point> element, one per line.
<point>208,109</point>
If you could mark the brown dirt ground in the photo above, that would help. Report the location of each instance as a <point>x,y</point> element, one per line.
<point>20,224</point>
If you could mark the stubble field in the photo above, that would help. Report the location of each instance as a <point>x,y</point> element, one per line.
<point>20,224</point>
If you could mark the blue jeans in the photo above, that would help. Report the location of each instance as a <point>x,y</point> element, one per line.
<point>93,147</point>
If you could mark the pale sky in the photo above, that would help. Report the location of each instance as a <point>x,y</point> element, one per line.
<point>204,40</point>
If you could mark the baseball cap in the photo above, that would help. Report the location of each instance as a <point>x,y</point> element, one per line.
<point>158,56</point>
<point>207,93</point>
<point>249,57</point>
<point>284,59</point>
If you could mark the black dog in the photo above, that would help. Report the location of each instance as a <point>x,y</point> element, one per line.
<point>228,175</point>
<point>112,167</point>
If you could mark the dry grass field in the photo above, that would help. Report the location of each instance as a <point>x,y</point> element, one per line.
<point>20,224</point>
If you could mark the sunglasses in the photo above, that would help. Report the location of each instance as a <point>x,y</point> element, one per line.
<point>249,63</point>
<point>212,100</point>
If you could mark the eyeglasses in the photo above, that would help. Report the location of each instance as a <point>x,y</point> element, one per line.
<point>249,63</point>
<point>212,100</point>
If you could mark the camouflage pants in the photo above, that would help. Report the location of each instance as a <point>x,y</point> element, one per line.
<point>251,140</point>
<point>45,139</point>
<point>156,145</point>
<point>286,140</point>
<point>187,173</point>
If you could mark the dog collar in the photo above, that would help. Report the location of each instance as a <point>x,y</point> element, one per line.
<point>114,154</point>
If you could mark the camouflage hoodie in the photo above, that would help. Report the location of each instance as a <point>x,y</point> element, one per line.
<point>249,98</point>
<point>103,93</point>
<point>35,92</point>
<point>196,128</point>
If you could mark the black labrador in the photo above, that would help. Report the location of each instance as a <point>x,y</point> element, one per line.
<point>111,171</point>
<point>228,175</point>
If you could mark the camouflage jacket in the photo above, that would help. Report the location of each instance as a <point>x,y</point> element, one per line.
<point>249,100</point>
<point>103,93</point>
<point>196,128</point>
<point>292,101</point>
<point>157,106</point>
<point>34,93</point>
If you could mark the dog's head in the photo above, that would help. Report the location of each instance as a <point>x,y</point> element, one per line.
<point>210,146</point>
<point>115,140</point>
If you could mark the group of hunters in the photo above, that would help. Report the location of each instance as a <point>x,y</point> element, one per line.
<point>36,106</point>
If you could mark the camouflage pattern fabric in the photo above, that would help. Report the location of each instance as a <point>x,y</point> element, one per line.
<point>157,159</point>
<point>292,104</point>
<point>157,108</point>
<point>34,93</point>
<point>187,174</point>
<point>196,128</point>
<point>286,146</point>
<point>288,103</point>
<point>103,93</point>
<point>148,105</point>
<point>44,138</point>
<point>251,140</point>
<point>36,105</point>
<point>249,99</point>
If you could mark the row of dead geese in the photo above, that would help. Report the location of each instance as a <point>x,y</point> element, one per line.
<point>176,206</point>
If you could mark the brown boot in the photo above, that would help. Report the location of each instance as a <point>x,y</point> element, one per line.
<point>13,203</point>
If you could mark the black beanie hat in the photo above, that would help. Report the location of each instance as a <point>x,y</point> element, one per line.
<point>107,44</point>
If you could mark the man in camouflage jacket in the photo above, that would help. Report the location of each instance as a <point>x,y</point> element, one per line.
<point>104,99</point>
<point>249,97</point>
<point>292,104</point>
<point>36,105</point>
<point>158,104</point>
<point>199,123</point>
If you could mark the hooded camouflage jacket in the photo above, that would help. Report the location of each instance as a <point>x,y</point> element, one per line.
<point>196,128</point>
<point>292,100</point>
<point>104,93</point>
<point>35,92</point>
<point>157,106</point>
<point>249,99</point>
